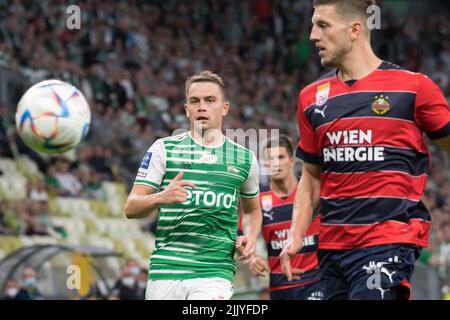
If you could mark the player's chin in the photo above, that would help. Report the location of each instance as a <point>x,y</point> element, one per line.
<point>327,62</point>
<point>279,175</point>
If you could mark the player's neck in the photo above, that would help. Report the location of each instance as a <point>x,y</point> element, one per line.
<point>358,64</point>
<point>209,138</point>
<point>283,188</point>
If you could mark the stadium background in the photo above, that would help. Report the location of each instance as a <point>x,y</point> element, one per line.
<point>130,59</point>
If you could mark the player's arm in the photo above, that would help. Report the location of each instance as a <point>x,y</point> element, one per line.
<point>432,112</point>
<point>143,200</point>
<point>246,245</point>
<point>306,202</point>
<point>307,199</point>
<point>308,191</point>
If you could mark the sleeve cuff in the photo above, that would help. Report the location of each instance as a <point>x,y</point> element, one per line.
<point>250,195</point>
<point>148,183</point>
<point>307,157</point>
<point>441,133</point>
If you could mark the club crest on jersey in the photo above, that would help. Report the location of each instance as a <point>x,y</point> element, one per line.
<point>208,158</point>
<point>381,105</point>
<point>266,202</point>
<point>322,94</point>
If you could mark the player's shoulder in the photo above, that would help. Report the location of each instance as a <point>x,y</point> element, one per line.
<point>323,79</point>
<point>238,146</point>
<point>409,78</point>
<point>174,139</point>
<point>393,69</point>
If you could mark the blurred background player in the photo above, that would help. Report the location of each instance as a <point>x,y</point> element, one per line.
<point>195,180</point>
<point>276,202</point>
<point>365,160</point>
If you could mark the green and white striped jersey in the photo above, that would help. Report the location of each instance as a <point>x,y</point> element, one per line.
<point>196,238</point>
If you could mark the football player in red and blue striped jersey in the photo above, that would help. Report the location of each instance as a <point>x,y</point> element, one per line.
<point>365,160</point>
<point>277,200</point>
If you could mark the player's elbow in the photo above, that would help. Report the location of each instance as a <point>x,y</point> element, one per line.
<point>129,209</point>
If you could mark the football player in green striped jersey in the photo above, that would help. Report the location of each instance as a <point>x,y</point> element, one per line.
<point>195,181</point>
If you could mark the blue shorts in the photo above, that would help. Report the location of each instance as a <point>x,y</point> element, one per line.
<point>374,273</point>
<point>311,291</point>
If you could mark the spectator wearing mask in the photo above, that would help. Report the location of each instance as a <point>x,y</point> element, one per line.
<point>29,289</point>
<point>11,290</point>
<point>126,287</point>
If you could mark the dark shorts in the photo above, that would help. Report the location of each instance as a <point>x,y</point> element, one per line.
<point>373,273</point>
<point>311,291</point>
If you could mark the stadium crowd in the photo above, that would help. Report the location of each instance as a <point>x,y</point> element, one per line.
<point>131,58</point>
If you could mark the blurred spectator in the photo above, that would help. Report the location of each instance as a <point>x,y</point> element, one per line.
<point>51,182</point>
<point>67,181</point>
<point>142,280</point>
<point>5,124</point>
<point>4,227</point>
<point>35,217</point>
<point>93,186</point>
<point>11,290</point>
<point>36,190</point>
<point>134,266</point>
<point>126,287</point>
<point>29,289</point>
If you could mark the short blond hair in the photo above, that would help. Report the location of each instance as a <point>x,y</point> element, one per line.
<point>205,76</point>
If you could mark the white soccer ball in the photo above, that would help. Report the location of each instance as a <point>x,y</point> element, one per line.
<point>52,117</point>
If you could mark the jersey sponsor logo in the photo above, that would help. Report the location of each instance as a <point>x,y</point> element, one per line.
<point>281,238</point>
<point>322,94</point>
<point>210,199</point>
<point>146,160</point>
<point>268,214</point>
<point>381,105</point>
<point>321,112</point>
<point>338,153</point>
<point>142,174</point>
<point>266,202</point>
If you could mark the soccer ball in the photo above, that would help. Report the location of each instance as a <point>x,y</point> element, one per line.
<point>52,117</point>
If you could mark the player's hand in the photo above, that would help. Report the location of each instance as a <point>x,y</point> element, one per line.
<point>245,247</point>
<point>258,266</point>
<point>291,248</point>
<point>176,191</point>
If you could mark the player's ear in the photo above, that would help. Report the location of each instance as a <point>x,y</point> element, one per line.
<point>225,108</point>
<point>356,29</point>
<point>186,110</point>
<point>292,160</point>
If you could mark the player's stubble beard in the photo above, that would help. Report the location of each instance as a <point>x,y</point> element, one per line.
<point>337,57</point>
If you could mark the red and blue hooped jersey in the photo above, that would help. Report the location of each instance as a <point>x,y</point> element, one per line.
<point>277,217</point>
<point>368,137</point>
